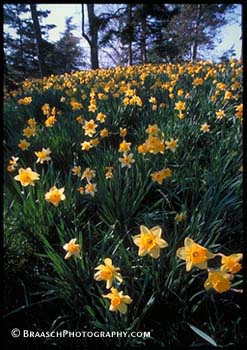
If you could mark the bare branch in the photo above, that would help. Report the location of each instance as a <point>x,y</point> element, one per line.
<point>85,36</point>
<point>111,57</point>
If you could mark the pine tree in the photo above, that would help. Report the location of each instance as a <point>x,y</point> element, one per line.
<point>20,51</point>
<point>68,54</point>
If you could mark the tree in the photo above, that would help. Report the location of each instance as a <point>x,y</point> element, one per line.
<point>20,50</point>
<point>97,24</point>
<point>69,55</point>
<point>199,24</point>
<point>141,30</point>
<point>92,36</point>
<point>40,50</point>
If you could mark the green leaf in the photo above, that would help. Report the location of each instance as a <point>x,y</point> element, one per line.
<point>202,335</point>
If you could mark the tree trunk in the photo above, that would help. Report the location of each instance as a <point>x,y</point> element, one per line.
<point>23,63</point>
<point>93,28</point>
<point>143,40</point>
<point>39,45</point>
<point>129,19</point>
<point>196,30</point>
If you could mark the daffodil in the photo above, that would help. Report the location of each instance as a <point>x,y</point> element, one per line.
<point>88,174</point>
<point>72,249</point>
<point>149,241</point>
<point>205,127</point>
<point>24,145</point>
<point>50,121</point>
<point>124,146</point>
<point>101,117</point>
<point>119,301</point>
<point>108,273</point>
<point>155,145</point>
<point>89,128</point>
<point>127,160</point>
<point>161,175</point>
<point>220,114</point>
<point>25,101</point>
<point>32,123</point>
<point>95,142</point>
<point>43,155</point>
<point>109,174</point>
<point>28,132</point>
<point>194,254</point>
<point>172,144</point>
<point>180,217</point>
<point>80,119</point>
<point>76,170</point>
<point>123,132</point>
<point>231,263</point>
<point>180,106</point>
<point>27,177</point>
<point>104,133</point>
<point>55,195</point>
<point>152,129</point>
<point>218,280</point>
<point>90,188</point>
<point>75,105</point>
<point>86,145</point>
<point>12,164</point>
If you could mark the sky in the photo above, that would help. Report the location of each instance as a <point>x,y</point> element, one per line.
<point>229,35</point>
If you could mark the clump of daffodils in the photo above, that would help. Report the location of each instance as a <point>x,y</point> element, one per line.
<point>196,255</point>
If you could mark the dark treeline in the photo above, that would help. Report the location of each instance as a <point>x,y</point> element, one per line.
<point>125,33</point>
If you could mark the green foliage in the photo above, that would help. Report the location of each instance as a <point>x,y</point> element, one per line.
<point>205,185</point>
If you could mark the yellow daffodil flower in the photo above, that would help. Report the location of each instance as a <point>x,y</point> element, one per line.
<point>172,144</point>
<point>124,146</point>
<point>108,273</point>
<point>119,301</point>
<point>72,249</point>
<point>180,217</point>
<point>88,174</point>
<point>149,241</point>
<point>27,177</point>
<point>24,145</point>
<point>76,170</point>
<point>161,175</point>
<point>231,263</point>
<point>43,156</point>
<point>90,188</point>
<point>194,254</point>
<point>127,160</point>
<point>55,195</point>
<point>205,127</point>
<point>123,132</point>
<point>86,145</point>
<point>89,127</point>
<point>218,280</point>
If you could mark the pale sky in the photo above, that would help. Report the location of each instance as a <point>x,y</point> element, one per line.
<point>230,33</point>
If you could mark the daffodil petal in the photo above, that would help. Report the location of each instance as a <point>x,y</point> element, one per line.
<point>203,265</point>
<point>155,253</point>
<point>181,253</point>
<point>188,242</point>
<point>122,308</point>
<point>108,262</point>
<point>156,231</point>
<point>144,229</point>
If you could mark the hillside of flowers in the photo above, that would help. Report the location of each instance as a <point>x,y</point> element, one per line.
<point>123,204</point>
